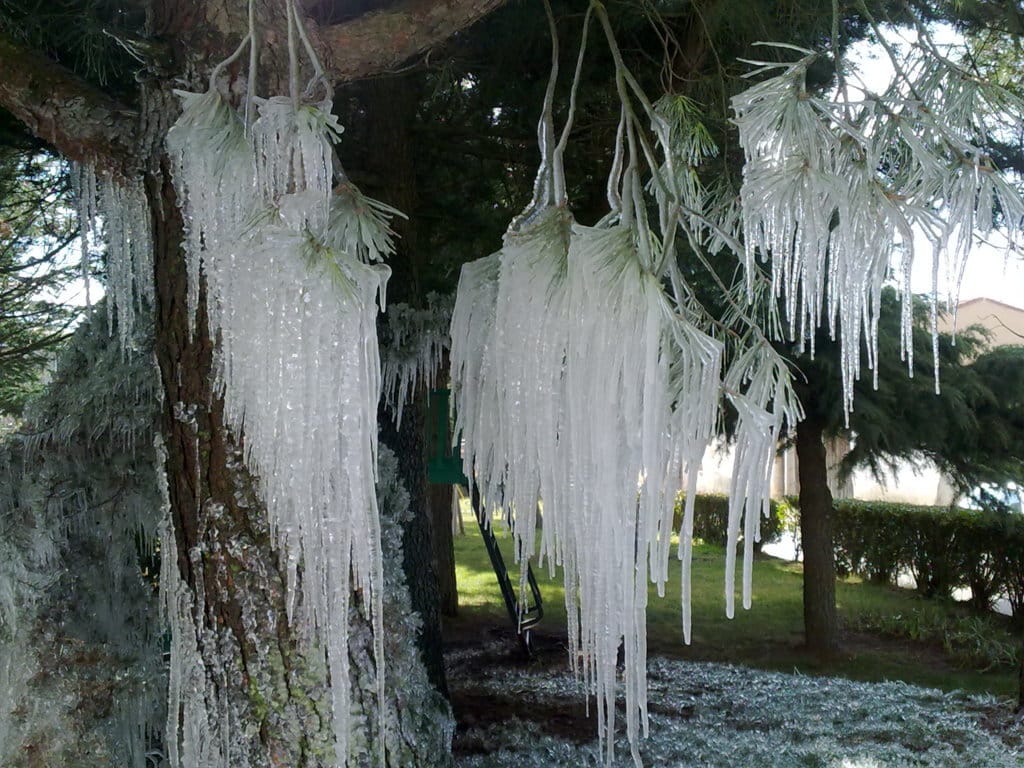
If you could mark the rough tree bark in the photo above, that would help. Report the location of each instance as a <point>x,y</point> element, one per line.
<point>222,539</point>
<point>821,626</point>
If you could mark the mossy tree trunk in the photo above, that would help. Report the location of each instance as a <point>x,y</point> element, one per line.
<point>251,654</point>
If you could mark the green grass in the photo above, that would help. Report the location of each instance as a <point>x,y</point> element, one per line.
<point>768,636</point>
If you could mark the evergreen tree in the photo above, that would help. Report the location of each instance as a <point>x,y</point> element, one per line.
<point>103,93</point>
<point>36,230</point>
<point>971,429</point>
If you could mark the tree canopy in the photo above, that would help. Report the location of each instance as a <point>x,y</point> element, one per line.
<point>596,347</point>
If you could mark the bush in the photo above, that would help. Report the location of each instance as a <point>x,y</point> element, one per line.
<point>867,540</point>
<point>943,548</point>
<point>711,520</point>
<point>972,642</point>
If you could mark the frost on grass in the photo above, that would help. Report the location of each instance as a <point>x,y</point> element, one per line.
<point>81,668</point>
<point>720,716</point>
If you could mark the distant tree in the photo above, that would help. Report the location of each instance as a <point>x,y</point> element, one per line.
<point>36,263</point>
<point>972,429</point>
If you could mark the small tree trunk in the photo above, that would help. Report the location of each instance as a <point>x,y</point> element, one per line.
<point>821,626</point>
<point>407,443</point>
<point>1020,676</point>
<point>444,548</point>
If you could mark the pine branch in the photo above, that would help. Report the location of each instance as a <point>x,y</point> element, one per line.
<point>77,119</point>
<point>354,49</point>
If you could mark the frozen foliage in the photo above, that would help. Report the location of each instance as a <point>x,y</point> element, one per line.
<point>413,347</point>
<point>294,280</point>
<point>81,669</point>
<point>834,187</point>
<point>114,214</point>
<point>417,719</point>
<point>583,384</point>
<point>719,716</point>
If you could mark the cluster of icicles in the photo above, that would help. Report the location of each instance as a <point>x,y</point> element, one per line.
<point>115,213</point>
<point>293,273</point>
<point>814,198</point>
<point>588,381</point>
<point>583,385</point>
<point>414,348</point>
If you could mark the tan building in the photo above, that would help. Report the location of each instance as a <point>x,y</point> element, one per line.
<point>1004,323</point>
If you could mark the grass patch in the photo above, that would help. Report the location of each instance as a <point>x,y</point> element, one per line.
<point>767,637</point>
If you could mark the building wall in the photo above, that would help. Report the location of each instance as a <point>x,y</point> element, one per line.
<point>1005,323</point>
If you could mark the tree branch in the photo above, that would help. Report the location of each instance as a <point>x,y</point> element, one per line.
<point>77,119</point>
<point>381,41</point>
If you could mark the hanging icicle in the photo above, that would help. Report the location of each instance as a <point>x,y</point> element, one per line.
<point>114,216</point>
<point>294,283</point>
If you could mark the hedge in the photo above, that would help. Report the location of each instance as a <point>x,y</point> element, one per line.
<point>943,548</point>
<point>711,520</point>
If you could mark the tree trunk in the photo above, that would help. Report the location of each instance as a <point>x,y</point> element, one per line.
<point>1020,675</point>
<point>440,500</point>
<point>821,626</point>
<point>407,443</point>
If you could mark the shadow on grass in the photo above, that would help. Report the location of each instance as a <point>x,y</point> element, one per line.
<point>769,636</point>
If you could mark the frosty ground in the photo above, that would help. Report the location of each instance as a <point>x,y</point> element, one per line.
<point>707,715</point>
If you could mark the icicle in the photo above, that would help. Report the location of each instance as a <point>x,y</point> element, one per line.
<point>293,297</point>
<point>117,213</point>
<point>474,387</point>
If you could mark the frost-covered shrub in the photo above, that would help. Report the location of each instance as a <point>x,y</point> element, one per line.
<point>81,667</point>
<point>417,718</point>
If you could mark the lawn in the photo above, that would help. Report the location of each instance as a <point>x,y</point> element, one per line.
<point>767,637</point>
